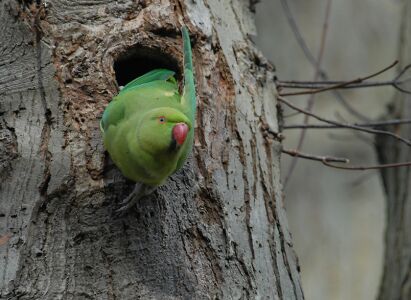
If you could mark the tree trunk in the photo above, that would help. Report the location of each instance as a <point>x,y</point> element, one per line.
<point>396,281</point>
<point>215,230</point>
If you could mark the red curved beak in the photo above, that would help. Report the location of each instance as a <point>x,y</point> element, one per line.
<point>180,132</point>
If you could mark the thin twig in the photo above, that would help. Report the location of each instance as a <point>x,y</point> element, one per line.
<point>362,168</point>
<point>294,84</point>
<point>311,98</point>
<point>341,84</point>
<point>351,126</point>
<point>323,84</point>
<point>396,82</point>
<point>326,160</point>
<point>303,45</point>
<point>360,135</point>
<point>296,153</point>
<point>368,124</point>
<point>297,34</point>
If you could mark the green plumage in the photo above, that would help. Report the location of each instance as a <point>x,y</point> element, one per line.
<point>138,123</point>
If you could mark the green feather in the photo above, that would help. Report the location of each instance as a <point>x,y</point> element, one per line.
<point>158,74</point>
<point>138,123</point>
<point>113,114</point>
<point>189,93</point>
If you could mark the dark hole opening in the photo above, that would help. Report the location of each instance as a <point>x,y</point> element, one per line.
<point>138,61</point>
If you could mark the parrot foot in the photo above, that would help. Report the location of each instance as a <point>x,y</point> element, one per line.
<point>140,190</point>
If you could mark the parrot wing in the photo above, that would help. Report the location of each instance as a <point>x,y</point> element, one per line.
<point>188,99</point>
<point>154,75</point>
<point>189,93</point>
<point>112,115</point>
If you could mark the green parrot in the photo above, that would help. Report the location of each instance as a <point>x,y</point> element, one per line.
<point>148,128</point>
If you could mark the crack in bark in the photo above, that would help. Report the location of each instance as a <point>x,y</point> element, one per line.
<point>209,252</point>
<point>248,204</point>
<point>46,131</point>
<point>271,216</point>
<point>285,258</point>
<point>273,247</point>
<point>283,248</point>
<point>241,152</point>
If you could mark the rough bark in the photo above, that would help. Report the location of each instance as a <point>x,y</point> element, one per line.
<point>396,281</point>
<point>216,230</point>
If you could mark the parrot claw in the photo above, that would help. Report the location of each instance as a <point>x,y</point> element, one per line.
<point>140,190</point>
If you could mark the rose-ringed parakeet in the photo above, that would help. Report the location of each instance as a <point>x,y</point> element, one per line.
<point>148,128</point>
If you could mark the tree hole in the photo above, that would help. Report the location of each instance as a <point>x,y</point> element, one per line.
<point>138,61</point>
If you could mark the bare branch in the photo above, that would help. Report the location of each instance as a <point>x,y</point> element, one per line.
<point>396,82</point>
<point>296,153</point>
<point>311,98</point>
<point>303,45</point>
<point>326,160</point>
<point>351,126</point>
<point>295,84</point>
<point>341,84</point>
<point>368,124</point>
<point>298,36</point>
<point>362,168</point>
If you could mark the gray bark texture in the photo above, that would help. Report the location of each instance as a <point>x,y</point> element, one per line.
<point>396,281</point>
<point>216,230</point>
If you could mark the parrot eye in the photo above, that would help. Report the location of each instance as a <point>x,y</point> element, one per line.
<point>162,119</point>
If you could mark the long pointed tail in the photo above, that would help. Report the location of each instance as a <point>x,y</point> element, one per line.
<point>189,95</point>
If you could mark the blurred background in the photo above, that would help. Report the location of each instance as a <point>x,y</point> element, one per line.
<point>336,217</point>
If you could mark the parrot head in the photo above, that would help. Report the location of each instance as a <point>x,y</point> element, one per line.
<point>163,130</point>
